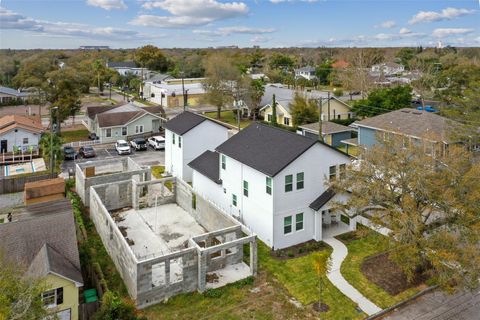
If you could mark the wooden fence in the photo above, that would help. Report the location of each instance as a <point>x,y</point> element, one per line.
<point>17,183</point>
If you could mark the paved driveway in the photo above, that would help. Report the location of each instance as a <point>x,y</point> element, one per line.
<point>149,157</point>
<point>437,305</point>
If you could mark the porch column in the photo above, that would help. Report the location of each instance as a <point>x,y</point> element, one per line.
<point>353,223</point>
<point>317,215</point>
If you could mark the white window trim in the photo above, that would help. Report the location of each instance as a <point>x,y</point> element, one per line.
<point>291,225</point>
<point>303,221</point>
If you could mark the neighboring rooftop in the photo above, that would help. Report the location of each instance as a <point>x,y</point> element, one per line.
<point>284,96</point>
<point>186,121</point>
<point>122,64</point>
<point>208,164</point>
<point>411,122</point>
<point>94,110</point>
<point>327,127</point>
<point>13,92</point>
<point>110,116</point>
<point>10,122</point>
<point>306,69</point>
<point>265,148</point>
<point>44,240</point>
<point>159,77</point>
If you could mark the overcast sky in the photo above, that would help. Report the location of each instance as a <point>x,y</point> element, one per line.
<point>211,23</point>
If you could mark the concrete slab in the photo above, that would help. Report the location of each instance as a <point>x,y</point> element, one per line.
<point>159,231</point>
<point>229,274</point>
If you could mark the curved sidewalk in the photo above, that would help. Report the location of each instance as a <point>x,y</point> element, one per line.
<point>339,254</point>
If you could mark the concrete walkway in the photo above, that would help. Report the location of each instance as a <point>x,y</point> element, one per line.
<point>339,254</point>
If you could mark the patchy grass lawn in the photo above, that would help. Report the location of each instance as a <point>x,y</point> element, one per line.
<point>301,281</point>
<point>264,299</point>
<point>76,135</point>
<point>359,249</point>
<point>157,172</point>
<point>228,117</point>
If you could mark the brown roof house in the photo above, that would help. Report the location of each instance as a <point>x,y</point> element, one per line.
<point>122,122</point>
<point>43,243</point>
<point>418,126</point>
<point>19,133</point>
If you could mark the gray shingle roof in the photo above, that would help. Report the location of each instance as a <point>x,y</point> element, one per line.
<point>51,223</point>
<point>13,92</point>
<point>94,110</point>
<point>106,119</point>
<point>411,122</point>
<point>265,148</point>
<point>326,196</point>
<point>186,121</point>
<point>327,127</point>
<point>207,164</point>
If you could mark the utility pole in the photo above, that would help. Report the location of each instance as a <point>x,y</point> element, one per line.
<point>328,106</point>
<point>52,162</point>
<point>183,91</point>
<point>273,121</point>
<point>320,135</point>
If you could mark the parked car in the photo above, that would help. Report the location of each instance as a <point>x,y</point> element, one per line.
<point>122,147</point>
<point>93,136</point>
<point>139,144</point>
<point>69,153</point>
<point>157,142</point>
<point>87,152</point>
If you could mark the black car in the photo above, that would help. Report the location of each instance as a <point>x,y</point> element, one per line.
<point>69,153</point>
<point>139,144</point>
<point>93,136</point>
<point>87,152</point>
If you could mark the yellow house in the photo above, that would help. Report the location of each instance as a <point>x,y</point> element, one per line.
<point>332,108</point>
<point>44,240</point>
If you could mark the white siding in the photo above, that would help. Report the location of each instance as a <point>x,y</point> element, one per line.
<point>256,210</point>
<point>315,164</point>
<point>16,139</point>
<point>209,190</point>
<point>205,136</point>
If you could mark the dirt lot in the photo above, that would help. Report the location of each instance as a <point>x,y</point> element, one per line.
<point>386,274</point>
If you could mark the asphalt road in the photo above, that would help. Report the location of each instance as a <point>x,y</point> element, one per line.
<point>149,157</point>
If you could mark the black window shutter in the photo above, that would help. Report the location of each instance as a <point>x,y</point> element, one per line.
<point>59,296</point>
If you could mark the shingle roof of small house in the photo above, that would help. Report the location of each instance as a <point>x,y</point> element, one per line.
<point>122,64</point>
<point>208,164</point>
<point>265,148</point>
<point>186,121</point>
<point>12,92</point>
<point>328,127</point>
<point>411,122</point>
<point>10,122</point>
<point>44,241</point>
<point>111,116</point>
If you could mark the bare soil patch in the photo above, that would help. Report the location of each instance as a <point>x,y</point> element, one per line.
<point>380,270</point>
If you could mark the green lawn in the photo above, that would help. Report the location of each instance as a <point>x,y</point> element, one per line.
<point>301,281</point>
<point>76,135</point>
<point>157,172</point>
<point>373,243</point>
<point>228,117</point>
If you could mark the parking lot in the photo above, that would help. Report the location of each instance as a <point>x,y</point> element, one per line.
<point>149,157</point>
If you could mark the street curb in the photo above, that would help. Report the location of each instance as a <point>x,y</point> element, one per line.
<point>401,303</point>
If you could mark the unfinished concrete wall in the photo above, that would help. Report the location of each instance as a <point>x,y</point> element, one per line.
<point>166,276</point>
<point>224,257</point>
<point>129,170</point>
<point>204,212</point>
<point>115,196</point>
<point>114,242</point>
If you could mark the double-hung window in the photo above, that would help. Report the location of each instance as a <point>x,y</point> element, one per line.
<point>124,131</point>
<point>288,183</point>
<point>234,199</point>
<point>286,121</point>
<point>139,129</point>
<point>108,132</point>
<point>173,138</point>
<point>299,222</point>
<point>287,225</point>
<point>224,162</point>
<point>245,188</point>
<point>179,141</point>
<point>268,185</point>
<point>300,183</point>
<point>52,298</point>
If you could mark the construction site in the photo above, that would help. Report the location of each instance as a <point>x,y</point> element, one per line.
<point>164,239</point>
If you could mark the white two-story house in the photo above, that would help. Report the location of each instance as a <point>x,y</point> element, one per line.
<point>186,137</point>
<point>274,181</point>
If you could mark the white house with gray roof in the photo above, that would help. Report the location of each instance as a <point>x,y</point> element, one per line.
<point>186,137</point>
<point>273,181</point>
<point>307,72</point>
